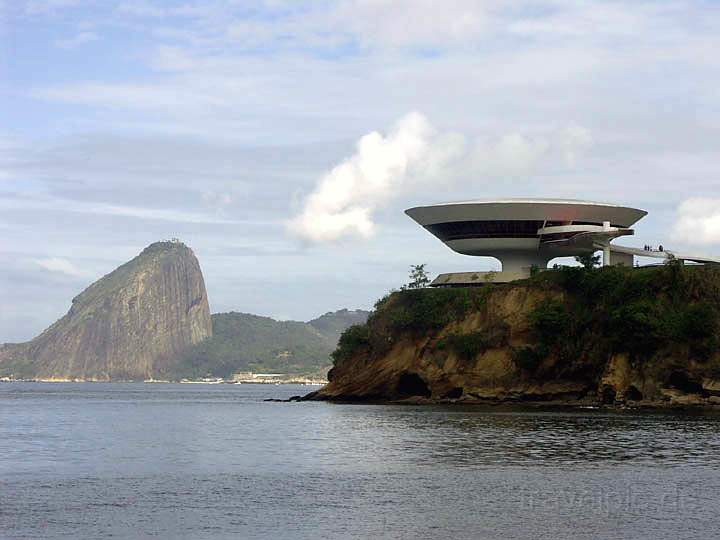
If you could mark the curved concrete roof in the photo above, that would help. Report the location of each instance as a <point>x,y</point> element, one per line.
<point>526,209</point>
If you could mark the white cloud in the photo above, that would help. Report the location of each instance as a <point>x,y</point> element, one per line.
<point>580,19</point>
<point>144,8</point>
<point>510,155</point>
<point>698,221</point>
<point>156,214</point>
<point>217,201</point>
<point>76,41</point>
<point>167,58</point>
<point>515,154</point>
<point>398,23</point>
<point>139,8</point>
<point>60,265</point>
<point>132,96</point>
<point>414,154</point>
<point>45,7</point>
<point>574,141</point>
<point>382,167</point>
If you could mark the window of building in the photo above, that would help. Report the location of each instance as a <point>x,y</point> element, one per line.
<point>507,228</point>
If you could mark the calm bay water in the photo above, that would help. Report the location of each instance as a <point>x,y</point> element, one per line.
<point>99,460</point>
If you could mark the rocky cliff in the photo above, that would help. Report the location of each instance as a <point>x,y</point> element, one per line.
<point>648,336</point>
<point>129,325</point>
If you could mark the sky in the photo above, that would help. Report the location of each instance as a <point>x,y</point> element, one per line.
<point>282,140</point>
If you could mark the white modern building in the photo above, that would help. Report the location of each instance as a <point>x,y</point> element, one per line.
<point>527,233</point>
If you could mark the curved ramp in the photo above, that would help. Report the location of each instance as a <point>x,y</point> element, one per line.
<point>665,254</point>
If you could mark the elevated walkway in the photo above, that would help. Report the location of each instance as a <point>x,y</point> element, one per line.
<point>619,255</point>
<point>665,254</point>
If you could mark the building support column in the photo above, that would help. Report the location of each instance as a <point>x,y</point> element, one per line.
<point>606,247</point>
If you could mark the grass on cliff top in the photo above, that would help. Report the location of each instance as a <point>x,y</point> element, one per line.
<point>603,311</point>
<point>638,311</point>
<point>411,311</point>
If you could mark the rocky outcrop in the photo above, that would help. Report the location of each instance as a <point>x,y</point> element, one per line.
<point>129,325</point>
<point>542,340</point>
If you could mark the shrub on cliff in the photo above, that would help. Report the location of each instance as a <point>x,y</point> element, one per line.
<point>528,358</point>
<point>420,310</point>
<point>588,315</point>
<point>638,327</point>
<point>633,310</point>
<point>351,341</point>
<point>698,325</point>
<point>409,311</point>
<point>550,320</point>
<point>468,346</point>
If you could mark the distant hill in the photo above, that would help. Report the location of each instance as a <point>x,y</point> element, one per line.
<point>245,342</point>
<point>150,319</point>
<point>129,325</point>
<point>334,323</point>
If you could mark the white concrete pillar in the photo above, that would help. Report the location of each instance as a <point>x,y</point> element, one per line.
<point>606,255</point>
<point>521,262</point>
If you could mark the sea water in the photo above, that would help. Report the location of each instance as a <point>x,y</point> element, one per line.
<point>95,460</point>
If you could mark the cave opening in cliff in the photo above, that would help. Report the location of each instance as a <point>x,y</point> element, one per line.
<point>607,396</point>
<point>411,384</point>
<point>680,380</point>
<point>633,394</point>
<point>454,393</point>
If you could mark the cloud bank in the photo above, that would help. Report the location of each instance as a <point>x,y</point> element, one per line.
<point>415,154</point>
<point>344,200</point>
<point>60,265</point>
<point>698,222</point>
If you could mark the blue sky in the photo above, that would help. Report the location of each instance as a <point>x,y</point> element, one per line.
<point>281,140</point>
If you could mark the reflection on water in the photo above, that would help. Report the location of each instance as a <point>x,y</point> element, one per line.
<point>485,437</point>
<point>216,461</point>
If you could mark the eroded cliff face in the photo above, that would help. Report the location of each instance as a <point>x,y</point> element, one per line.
<point>493,345</point>
<point>129,325</point>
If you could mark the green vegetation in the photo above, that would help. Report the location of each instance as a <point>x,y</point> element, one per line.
<point>528,358</point>
<point>588,313</point>
<point>332,324</point>
<point>410,311</point>
<point>638,311</point>
<point>588,260</point>
<point>468,346</point>
<point>353,339</point>
<point>420,310</point>
<point>244,342</point>
<point>15,365</point>
<point>419,277</point>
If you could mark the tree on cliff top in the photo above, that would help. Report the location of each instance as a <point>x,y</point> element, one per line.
<point>588,260</point>
<point>419,278</point>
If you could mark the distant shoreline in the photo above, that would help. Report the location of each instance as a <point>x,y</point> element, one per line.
<point>304,382</point>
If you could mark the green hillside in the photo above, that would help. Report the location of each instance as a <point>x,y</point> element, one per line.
<point>245,342</point>
<point>334,323</point>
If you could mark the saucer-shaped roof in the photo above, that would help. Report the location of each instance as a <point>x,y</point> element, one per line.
<point>563,210</point>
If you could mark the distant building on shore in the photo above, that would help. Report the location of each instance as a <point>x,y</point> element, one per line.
<point>528,233</point>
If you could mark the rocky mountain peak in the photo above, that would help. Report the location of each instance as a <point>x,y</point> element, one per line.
<point>127,325</point>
